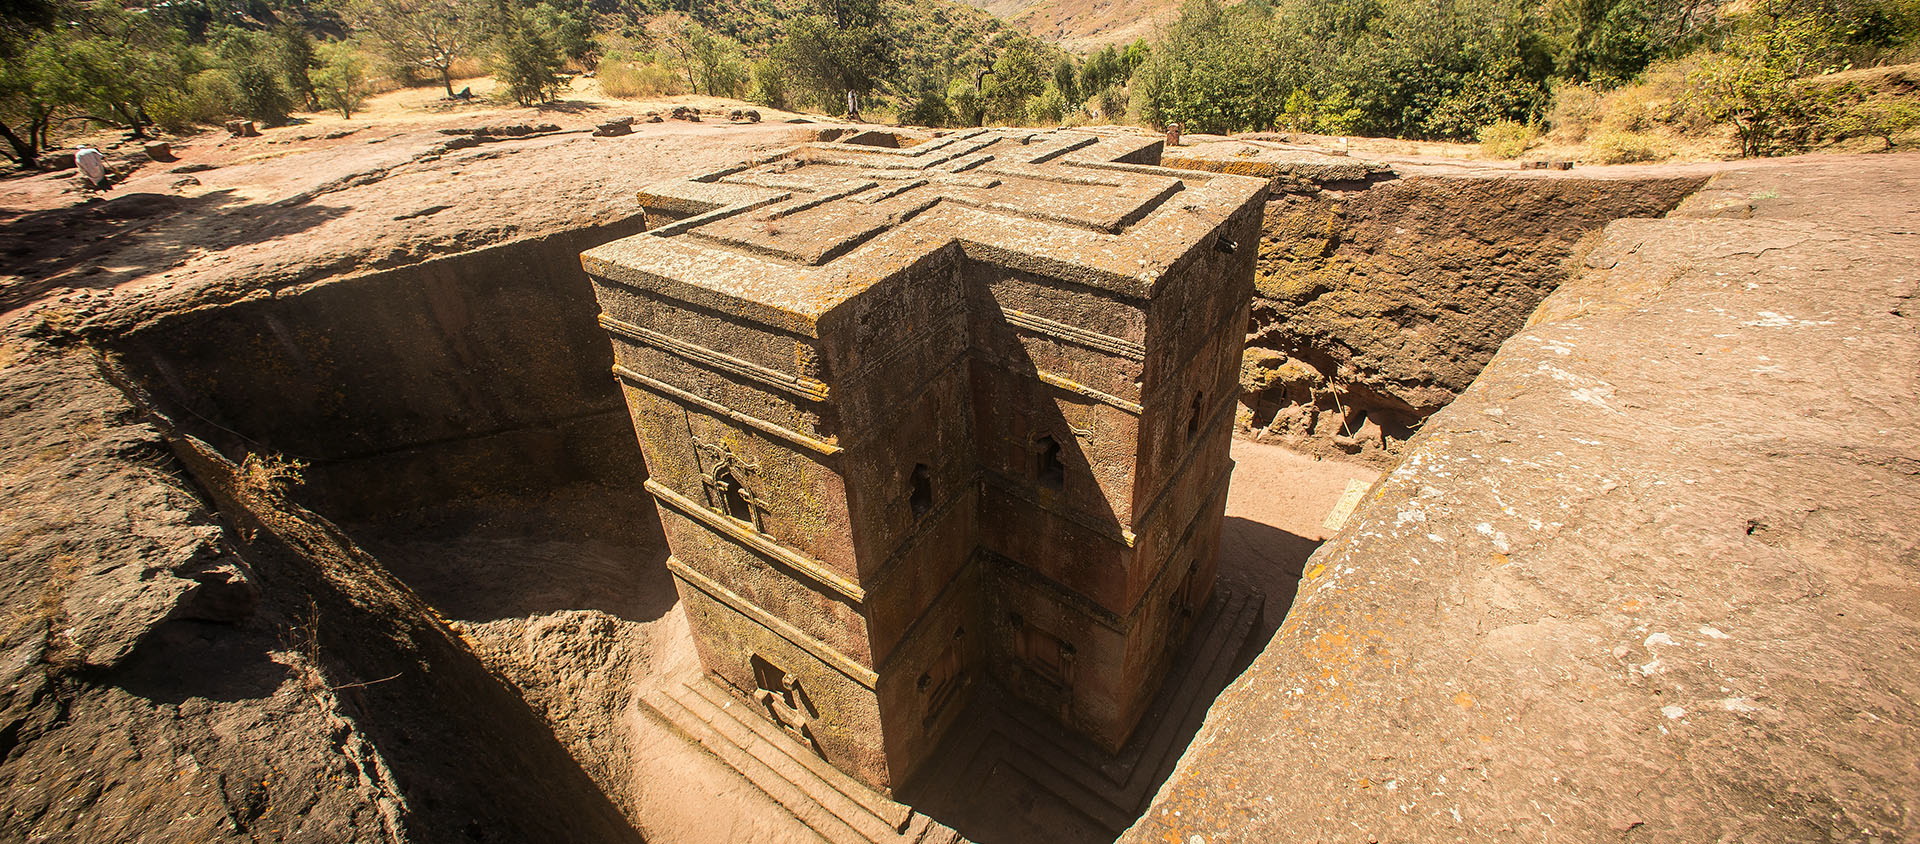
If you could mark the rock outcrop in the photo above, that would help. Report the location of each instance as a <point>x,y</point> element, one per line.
<point>1650,578</point>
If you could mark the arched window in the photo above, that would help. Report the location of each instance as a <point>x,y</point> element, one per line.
<point>920,490</point>
<point>734,496</point>
<point>1050,471</point>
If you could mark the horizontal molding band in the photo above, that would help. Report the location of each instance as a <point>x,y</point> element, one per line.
<point>1016,489</point>
<point>821,447</point>
<point>1076,335</point>
<point>1071,386</point>
<point>838,661</point>
<point>811,571</point>
<point>806,388</point>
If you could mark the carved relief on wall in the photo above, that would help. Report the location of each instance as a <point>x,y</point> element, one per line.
<point>785,701</point>
<point>727,479</point>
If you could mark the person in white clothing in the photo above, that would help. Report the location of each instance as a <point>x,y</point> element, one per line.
<point>92,164</point>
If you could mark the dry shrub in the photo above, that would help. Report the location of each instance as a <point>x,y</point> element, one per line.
<point>1650,119</point>
<point>1507,139</point>
<point>627,77</point>
<point>1617,146</point>
<point>1576,108</point>
<point>467,67</point>
<point>273,474</point>
<point>1658,100</point>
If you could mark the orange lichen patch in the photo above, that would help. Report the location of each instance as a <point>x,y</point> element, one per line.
<point>1463,700</point>
<point>1631,606</point>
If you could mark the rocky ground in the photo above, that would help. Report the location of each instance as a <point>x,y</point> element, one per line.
<point>1651,578</point>
<point>147,692</point>
<point>300,203</point>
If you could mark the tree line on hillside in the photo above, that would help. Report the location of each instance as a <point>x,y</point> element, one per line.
<point>1496,70</point>
<point>68,65</point>
<point>1451,69</point>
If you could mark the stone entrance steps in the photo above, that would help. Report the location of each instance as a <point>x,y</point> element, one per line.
<point>1005,773</point>
<point>832,804</point>
<point>1006,760</point>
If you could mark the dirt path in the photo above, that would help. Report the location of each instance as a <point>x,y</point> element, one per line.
<point>1277,513</point>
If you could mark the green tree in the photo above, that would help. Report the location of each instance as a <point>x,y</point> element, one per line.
<point>294,57</point>
<point>525,60</point>
<point>417,35</point>
<point>1048,108</point>
<point>112,65</point>
<point>1067,81</point>
<point>769,84</point>
<point>840,50</point>
<point>571,28</point>
<point>1019,74</point>
<point>927,105</point>
<point>249,58</point>
<point>1216,70</point>
<point>341,79</point>
<point>713,63</point>
<point>1107,66</point>
<point>1751,86</point>
<point>963,103</point>
<point>29,99</point>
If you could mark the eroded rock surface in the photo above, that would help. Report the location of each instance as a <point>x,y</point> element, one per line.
<point>141,696</point>
<point>1650,578</point>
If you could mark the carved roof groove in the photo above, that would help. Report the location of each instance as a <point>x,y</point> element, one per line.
<point>785,238</point>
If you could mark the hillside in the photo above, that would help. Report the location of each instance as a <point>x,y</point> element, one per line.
<point>1083,26</point>
<point>939,37</point>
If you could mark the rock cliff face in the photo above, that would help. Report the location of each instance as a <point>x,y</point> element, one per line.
<point>148,692</point>
<point>1375,307</point>
<point>1650,578</point>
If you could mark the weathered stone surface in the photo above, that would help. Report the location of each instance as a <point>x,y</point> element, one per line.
<point>1396,294</point>
<point>121,717</point>
<point>922,416</point>
<point>1286,167</point>
<point>1651,578</point>
<point>112,574</point>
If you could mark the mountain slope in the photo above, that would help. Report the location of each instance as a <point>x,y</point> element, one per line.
<point>1083,26</point>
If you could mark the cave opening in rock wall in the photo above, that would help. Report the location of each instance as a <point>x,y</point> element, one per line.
<point>456,423</point>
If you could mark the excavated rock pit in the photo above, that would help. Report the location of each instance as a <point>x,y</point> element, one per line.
<point>1384,290</point>
<point>429,469</point>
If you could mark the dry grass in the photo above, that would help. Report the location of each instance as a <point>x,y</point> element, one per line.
<point>1508,139</point>
<point>1649,120</point>
<point>274,475</point>
<point>1654,118</point>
